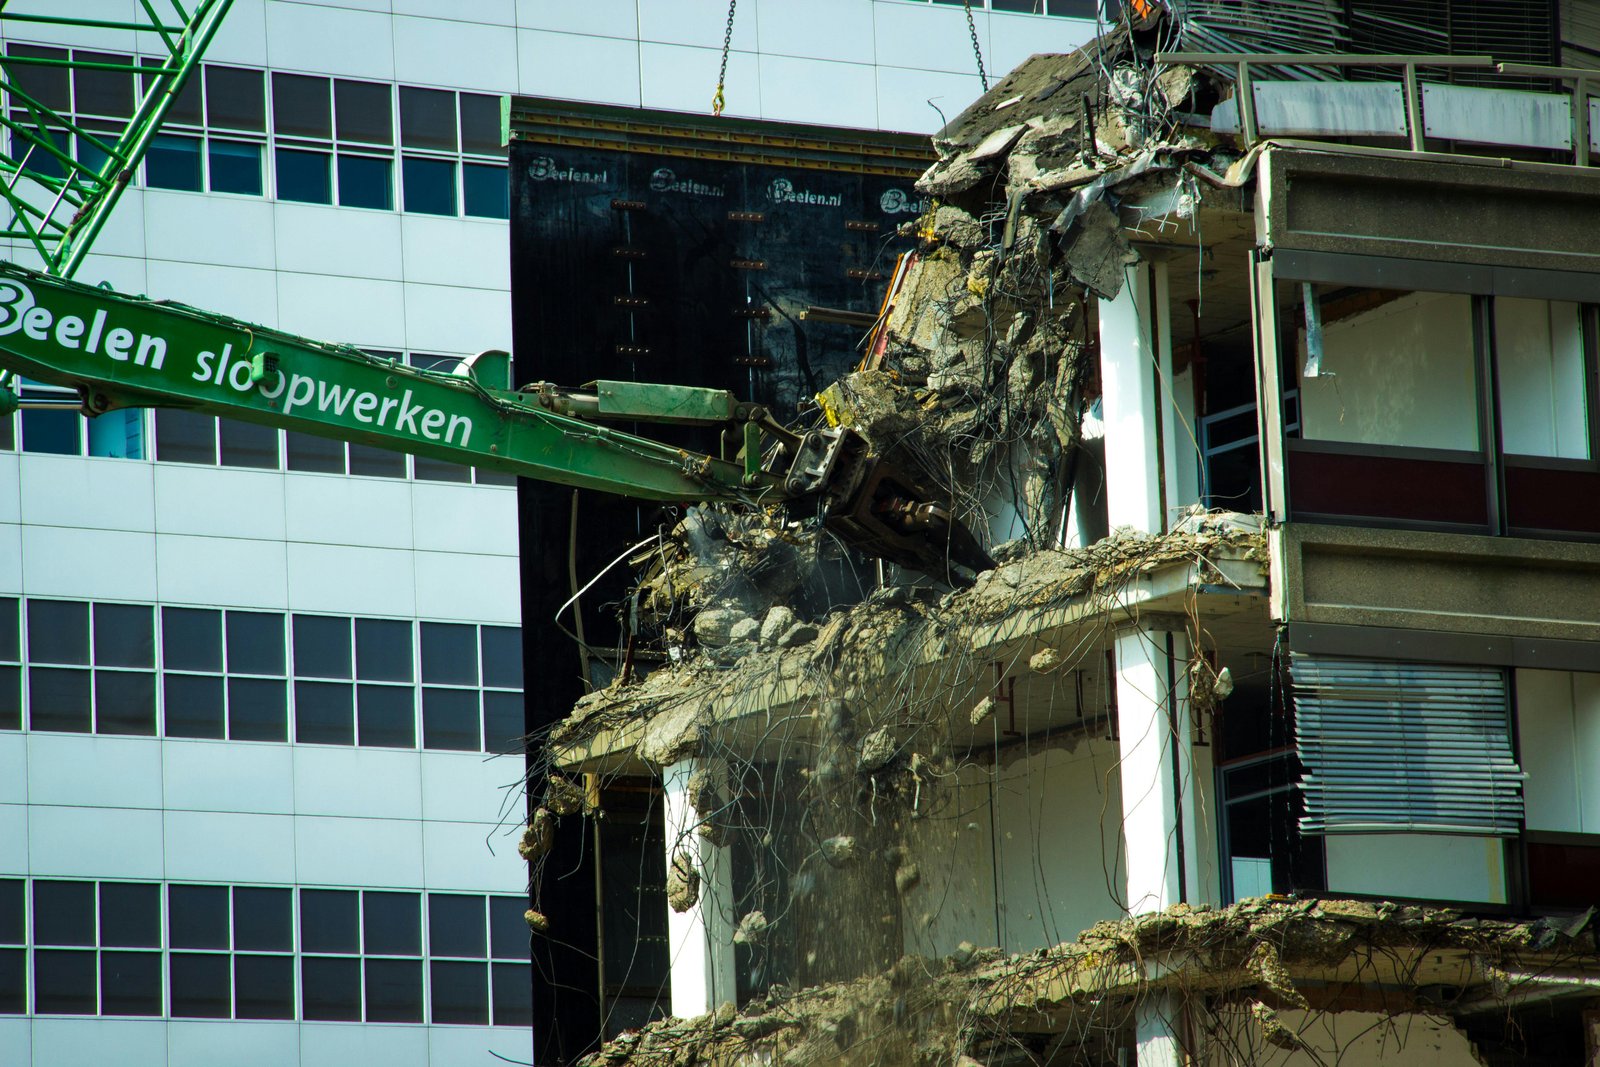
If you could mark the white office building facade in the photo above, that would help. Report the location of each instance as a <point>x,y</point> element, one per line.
<point>259,691</point>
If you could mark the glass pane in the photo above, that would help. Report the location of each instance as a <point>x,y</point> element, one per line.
<point>329,920</point>
<point>383,650</point>
<point>202,987</point>
<point>51,432</point>
<point>321,646</point>
<point>1544,397</point>
<point>502,657</point>
<point>234,99</point>
<point>331,989</point>
<point>255,642</point>
<point>193,706</point>
<point>173,162</point>
<point>124,635</point>
<point>428,118</point>
<point>430,185</point>
<point>130,983</point>
<point>245,444</point>
<point>513,994</point>
<point>377,462</point>
<point>32,149</point>
<point>508,929</point>
<point>63,912</point>
<point>394,991</point>
<point>10,698</point>
<point>125,702</point>
<point>63,983</point>
<point>186,109</point>
<point>197,916</point>
<point>449,653</point>
<point>391,924</point>
<point>261,919</point>
<point>265,987</point>
<point>450,719</point>
<point>364,182</point>
<point>308,452</point>
<point>191,639</point>
<point>256,710</point>
<point>13,924</point>
<point>300,106</point>
<point>480,124</point>
<point>10,630</point>
<point>364,111</point>
<point>90,153</point>
<point>386,716</point>
<point>1395,368</point>
<point>438,470</point>
<point>184,437</point>
<point>51,86</point>
<point>460,991</point>
<point>456,926</point>
<point>304,176</point>
<point>486,191</point>
<point>13,986</point>
<point>58,631</point>
<point>504,722</point>
<point>58,700</point>
<point>130,914</point>
<point>235,167</point>
<point>117,435</point>
<point>102,92</point>
<point>324,713</point>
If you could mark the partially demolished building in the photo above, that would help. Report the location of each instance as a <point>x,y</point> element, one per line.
<point>1270,381</point>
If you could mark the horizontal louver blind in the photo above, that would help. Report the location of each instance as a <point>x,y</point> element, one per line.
<point>1416,747</point>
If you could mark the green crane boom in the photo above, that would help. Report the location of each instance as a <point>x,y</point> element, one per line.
<point>120,351</point>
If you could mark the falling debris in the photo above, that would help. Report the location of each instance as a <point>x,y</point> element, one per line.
<point>538,835</point>
<point>683,882</point>
<point>1044,661</point>
<point>752,929</point>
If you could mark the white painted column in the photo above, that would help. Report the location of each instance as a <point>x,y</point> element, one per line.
<point>1137,400</point>
<point>700,939</point>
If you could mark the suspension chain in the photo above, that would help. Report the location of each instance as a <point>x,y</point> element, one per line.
<point>718,100</point>
<point>972,29</point>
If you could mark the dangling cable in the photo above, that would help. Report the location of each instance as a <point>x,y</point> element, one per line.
<point>972,29</point>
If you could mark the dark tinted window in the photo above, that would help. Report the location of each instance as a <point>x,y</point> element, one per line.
<point>300,106</point>
<point>264,986</point>
<point>125,702</point>
<point>245,444</point>
<point>460,991</point>
<point>437,470</point>
<point>502,657</point>
<point>331,988</point>
<point>103,92</point>
<point>63,982</point>
<point>202,986</point>
<point>10,630</point>
<point>394,991</point>
<point>329,921</point>
<point>386,716</point>
<point>308,452</point>
<point>508,930</point>
<point>185,437</point>
<point>50,431</point>
<point>321,646</point>
<point>480,124</point>
<point>324,713</point>
<point>430,185</point>
<point>256,710</point>
<point>197,916</point>
<point>455,925</point>
<point>304,176</point>
<point>383,650</point>
<point>364,181</point>
<point>513,994</point>
<point>13,924</point>
<point>261,920</point>
<point>51,86</point>
<point>173,162</point>
<point>10,698</point>
<point>485,191</point>
<point>450,719</point>
<point>503,722</point>
<point>58,631</point>
<point>255,642</point>
<point>130,983</point>
<point>428,119</point>
<point>449,653</point>
<point>193,706</point>
<point>58,700</point>
<point>377,462</point>
<point>191,639</point>
<point>235,168</point>
<point>185,110</point>
<point>13,987</point>
<point>364,112</point>
<point>130,915</point>
<point>234,98</point>
<point>124,635</point>
<point>391,924</point>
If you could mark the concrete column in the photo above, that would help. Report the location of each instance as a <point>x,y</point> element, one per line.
<point>701,938</point>
<point>1142,473</point>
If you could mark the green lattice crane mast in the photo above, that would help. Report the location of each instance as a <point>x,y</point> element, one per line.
<point>62,173</point>
<point>121,351</point>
